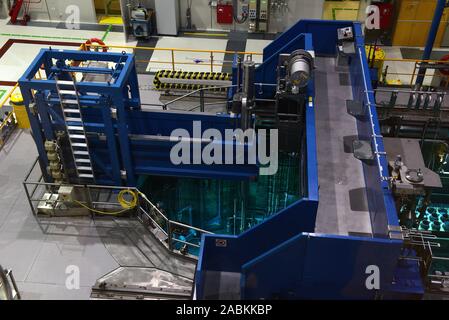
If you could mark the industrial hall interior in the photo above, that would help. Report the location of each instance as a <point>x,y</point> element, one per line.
<point>188,150</point>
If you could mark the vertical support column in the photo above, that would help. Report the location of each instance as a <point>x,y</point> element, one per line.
<point>308,42</point>
<point>249,70</point>
<point>134,84</point>
<point>202,101</point>
<point>441,4</point>
<point>125,149</point>
<point>112,145</point>
<point>42,109</point>
<point>48,63</point>
<point>308,46</point>
<point>36,131</point>
<point>236,66</point>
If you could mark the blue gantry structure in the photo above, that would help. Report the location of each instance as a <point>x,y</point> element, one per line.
<point>281,257</point>
<point>124,140</point>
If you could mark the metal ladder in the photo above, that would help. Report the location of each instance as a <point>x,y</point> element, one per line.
<point>71,109</point>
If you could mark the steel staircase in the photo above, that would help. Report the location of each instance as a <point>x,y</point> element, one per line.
<point>71,109</point>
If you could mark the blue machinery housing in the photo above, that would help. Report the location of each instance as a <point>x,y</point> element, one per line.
<point>281,257</point>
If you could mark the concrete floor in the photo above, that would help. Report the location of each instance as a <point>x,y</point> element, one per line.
<point>39,259</point>
<point>39,252</point>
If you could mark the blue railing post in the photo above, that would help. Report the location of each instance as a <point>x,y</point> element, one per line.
<point>431,38</point>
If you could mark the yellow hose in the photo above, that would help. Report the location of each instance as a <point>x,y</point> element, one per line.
<point>126,205</point>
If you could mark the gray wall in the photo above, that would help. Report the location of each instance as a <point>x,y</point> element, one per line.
<point>4,8</point>
<point>56,10</point>
<point>204,18</point>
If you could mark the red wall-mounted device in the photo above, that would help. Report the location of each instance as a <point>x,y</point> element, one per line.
<point>225,13</point>
<point>386,11</point>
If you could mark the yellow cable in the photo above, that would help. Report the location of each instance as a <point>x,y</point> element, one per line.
<point>100,212</point>
<point>126,205</point>
<point>123,202</point>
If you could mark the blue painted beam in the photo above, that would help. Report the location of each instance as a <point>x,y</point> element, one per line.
<point>112,145</point>
<point>42,108</point>
<point>441,4</point>
<point>82,69</point>
<point>123,135</point>
<point>37,131</point>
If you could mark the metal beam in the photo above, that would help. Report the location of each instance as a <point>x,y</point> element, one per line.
<point>441,4</point>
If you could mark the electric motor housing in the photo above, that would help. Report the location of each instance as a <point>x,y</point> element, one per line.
<point>300,66</point>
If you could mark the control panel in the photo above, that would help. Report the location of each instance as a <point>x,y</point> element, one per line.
<point>263,16</point>
<point>258,14</point>
<point>253,9</point>
<point>263,13</point>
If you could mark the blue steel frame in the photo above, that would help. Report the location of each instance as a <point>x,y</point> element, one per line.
<point>282,257</point>
<point>135,141</point>
<point>110,95</point>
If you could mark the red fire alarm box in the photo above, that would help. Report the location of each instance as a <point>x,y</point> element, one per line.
<point>225,13</point>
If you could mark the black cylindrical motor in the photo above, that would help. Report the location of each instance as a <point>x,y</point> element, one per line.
<point>237,103</point>
<point>300,66</point>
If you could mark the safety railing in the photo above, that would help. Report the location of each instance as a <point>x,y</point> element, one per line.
<point>212,59</point>
<point>434,264</point>
<point>7,118</point>
<point>8,285</point>
<point>405,72</point>
<point>10,116</point>
<point>44,199</point>
<point>375,136</point>
<point>200,94</point>
<point>410,99</point>
<point>175,236</point>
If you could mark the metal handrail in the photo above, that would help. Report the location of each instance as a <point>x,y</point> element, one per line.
<point>426,241</point>
<point>201,92</point>
<point>165,225</point>
<point>416,64</point>
<point>410,91</point>
<point>418,99</point>
<point>11,286</point>
<point>383,176</point>
<point>174,49</point>
<point>172,52</point>
<point>10,115</point>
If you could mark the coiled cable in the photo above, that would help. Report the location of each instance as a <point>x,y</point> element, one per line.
<point>125,204</point>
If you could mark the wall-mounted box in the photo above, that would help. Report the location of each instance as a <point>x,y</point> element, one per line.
<point>225,13</point>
